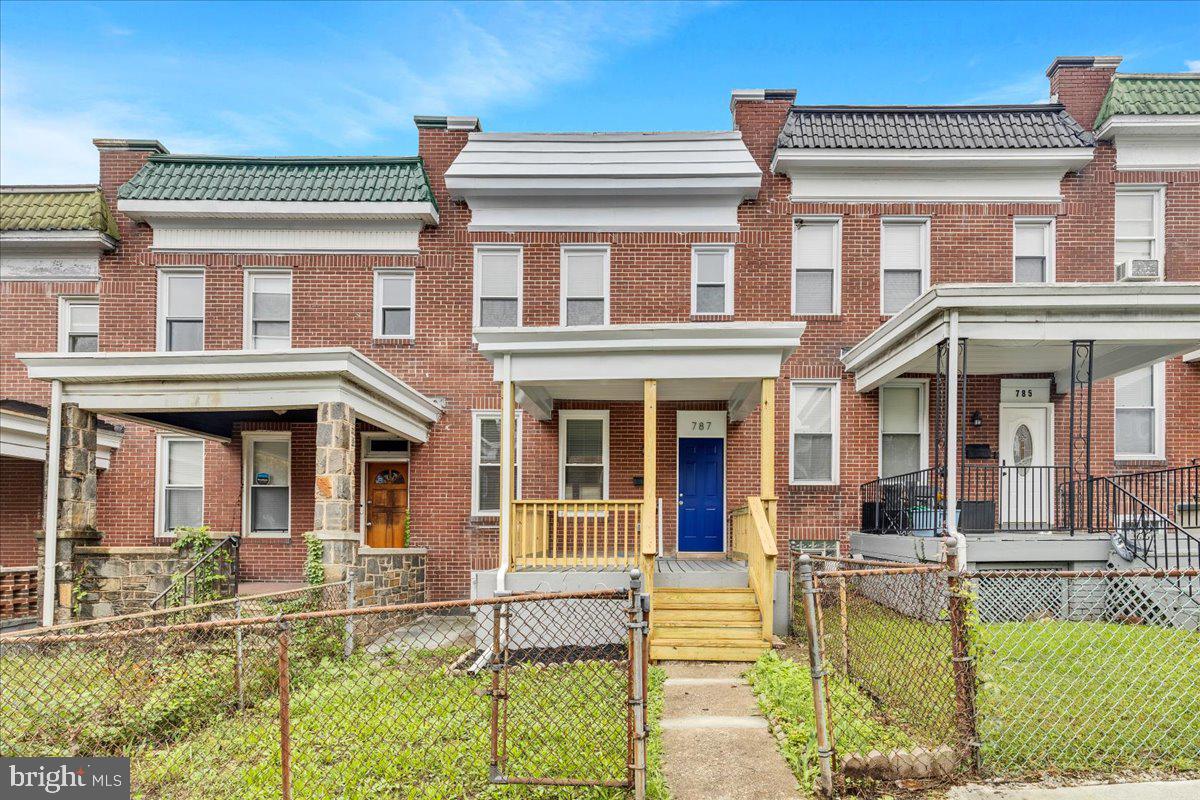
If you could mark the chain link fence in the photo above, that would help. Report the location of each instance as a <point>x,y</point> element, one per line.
<point>926,674</point>
<point>450,699</point>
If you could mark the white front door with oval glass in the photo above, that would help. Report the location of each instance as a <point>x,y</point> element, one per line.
<point>1027,480</point>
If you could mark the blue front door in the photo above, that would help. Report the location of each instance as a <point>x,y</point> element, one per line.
<point>702,495</point>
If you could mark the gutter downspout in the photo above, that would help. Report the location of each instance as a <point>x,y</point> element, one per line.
<point>506,474</point>
<point>50,511</point>
<point>952,448</point>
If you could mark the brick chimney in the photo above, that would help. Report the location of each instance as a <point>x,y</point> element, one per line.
<point>120,159</point>
<point>439,141</point>
<point>1080,83</point>
<point>759,114</point>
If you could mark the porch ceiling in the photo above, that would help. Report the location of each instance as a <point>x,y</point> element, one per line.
<point>1016,329</point>
<point>722,361</point>
<point>208,393</point>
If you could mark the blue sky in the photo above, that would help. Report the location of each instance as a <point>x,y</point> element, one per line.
<point>345,78</point>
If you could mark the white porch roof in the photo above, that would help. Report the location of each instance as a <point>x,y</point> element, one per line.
<point>1028,329</point>
<point>23,434</point>
<point>723,361</point>
<point>206,393</point>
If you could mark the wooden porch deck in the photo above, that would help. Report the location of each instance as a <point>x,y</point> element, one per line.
<point>663,566</point>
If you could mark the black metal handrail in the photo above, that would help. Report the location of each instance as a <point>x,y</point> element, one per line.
<point>1141,531</point>
<point>907,504</point>
<point>182,590</point>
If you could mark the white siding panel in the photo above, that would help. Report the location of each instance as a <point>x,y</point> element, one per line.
<point>390,239</point>
<point>49,268</point>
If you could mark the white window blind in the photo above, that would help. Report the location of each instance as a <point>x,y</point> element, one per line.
<point>900,436</point>
<point>394,304</point>
<point>814,432</point>
<point>815,264</point>
<point>905,261</point>
<point>584,456</point>
<point>1137,225</point>
<point>1137,413</point>
<point>498,284</point>
<point>1031,252</point>
<point>487,464</point>
<point>81,325</point>
<point>585,286</point>
<point>182,481</point>
<point>270,311</point>
<point>182,307</point>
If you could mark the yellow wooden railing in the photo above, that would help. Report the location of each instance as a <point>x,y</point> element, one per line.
<point>753,536</point>
<point>576,533</point>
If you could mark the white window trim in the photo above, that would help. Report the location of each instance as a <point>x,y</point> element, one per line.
<point>248,440</point>
<point>562,278</point>
<point>160,481</point>
<point>477,284</point>
<point>725,250</point>
<point>1159,244</point>
<point>1050,234</point>
<point>377,303</point>
<point>1160,420</point>
<point>160,313</point>
<point>835,424</point>
<point>65,302</point>
<point>578,413</point>
<point>248,303</point>
<point>837,263</point>
<point>476,417</point>
<point>926,255</point>
<point>923,403</point>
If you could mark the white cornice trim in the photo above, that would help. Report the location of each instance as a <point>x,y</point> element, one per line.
<point>1150,125</point>
<point>1066,158</point>
<point>639,338</point>
<point>41,241</point>
<point>24,436</point>
<point>150,210</point>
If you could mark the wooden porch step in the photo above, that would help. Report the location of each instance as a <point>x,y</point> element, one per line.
<point>692,624</point>
<point>704,598</point>
<point>693,614</point>
<point>692,650</point>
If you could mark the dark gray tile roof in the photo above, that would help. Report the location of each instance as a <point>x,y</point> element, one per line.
<point>932,128</point>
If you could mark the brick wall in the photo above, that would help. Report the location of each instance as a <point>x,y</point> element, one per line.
<point>21,501</point>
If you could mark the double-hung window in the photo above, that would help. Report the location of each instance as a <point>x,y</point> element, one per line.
<point>268,311</point>
<point>816,266</point>
<point>902,426</point>
<point>485,463</point>
<point>814,421</point>
<point>394,294</point>
<point>498,286</point>
<point>181,483</point>
<point>267,499</point>
<point>904,257</point>
<point>712,279</point>
<point>79,325</point>
<point>1140,429</point>
<point>583,455</point>
<point>1139,224</point>
<point>180,309</point>
<point>585,285</point>
<point>1033,251</point>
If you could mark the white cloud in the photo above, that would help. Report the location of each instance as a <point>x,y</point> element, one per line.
<point>1031,88</point>
<point>1193,65</point>
<point>496,56</point>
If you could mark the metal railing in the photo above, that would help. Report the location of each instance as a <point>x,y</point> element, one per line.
<point>562,533</point>
<point>222,558</point>
<point>908,504</point>
<point>1141,531</point>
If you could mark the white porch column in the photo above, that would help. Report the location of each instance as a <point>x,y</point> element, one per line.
<point>50,510</point>
<point>507,462</point>
<point>952,426</point>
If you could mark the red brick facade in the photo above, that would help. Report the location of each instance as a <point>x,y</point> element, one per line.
<point>650,282</point>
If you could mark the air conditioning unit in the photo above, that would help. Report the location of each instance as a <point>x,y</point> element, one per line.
<point>1139,269</point>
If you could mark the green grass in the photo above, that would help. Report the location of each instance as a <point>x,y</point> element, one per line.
<point>385,724</point>
<point>1054,696</point>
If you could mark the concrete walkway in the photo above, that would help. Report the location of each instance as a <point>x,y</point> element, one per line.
<point>1151,790</point>
<point>716,746</point>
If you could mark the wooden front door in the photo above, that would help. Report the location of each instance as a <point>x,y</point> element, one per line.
<point>387,503</point>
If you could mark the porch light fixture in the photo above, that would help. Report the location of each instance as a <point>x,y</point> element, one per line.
<point>976,419</point>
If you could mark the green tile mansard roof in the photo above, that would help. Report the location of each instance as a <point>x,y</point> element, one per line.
<point>282,179</point>
<point>55,208</point>
<point>1143,95</point>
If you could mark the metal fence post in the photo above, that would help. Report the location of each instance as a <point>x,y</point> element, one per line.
<point>639,725</point>
<point>962,662</point>
<point>351,578</point>
<point>285,721</point>
<point>844,624</point>
<point>495,771</point>
<point>237,664</point>
<point>817,669</point>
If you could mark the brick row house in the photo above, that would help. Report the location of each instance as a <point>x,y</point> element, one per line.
<point>537,361</point>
